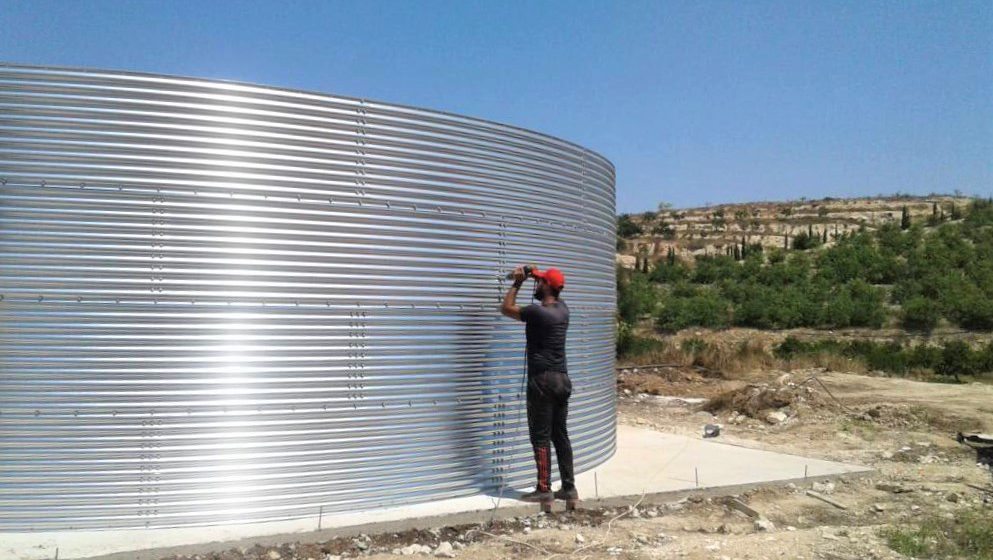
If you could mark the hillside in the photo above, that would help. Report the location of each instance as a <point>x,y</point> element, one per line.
<point>913,267</point>
<point>713,230</point>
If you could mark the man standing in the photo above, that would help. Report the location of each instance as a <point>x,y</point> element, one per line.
<point>549,386</point>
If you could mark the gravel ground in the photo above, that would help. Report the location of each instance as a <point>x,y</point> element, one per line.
<point>893,425</point>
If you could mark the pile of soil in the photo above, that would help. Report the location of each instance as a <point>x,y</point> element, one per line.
<point>757,400</point>
<point>914,417</point>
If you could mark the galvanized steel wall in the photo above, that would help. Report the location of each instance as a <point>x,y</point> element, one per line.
<point>224,302</point>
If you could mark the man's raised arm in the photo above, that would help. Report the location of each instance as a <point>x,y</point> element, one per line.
<point>510,307</point>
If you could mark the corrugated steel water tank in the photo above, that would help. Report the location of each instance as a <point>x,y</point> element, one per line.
<point>224,302</point>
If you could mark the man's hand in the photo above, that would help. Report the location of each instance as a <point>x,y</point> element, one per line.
<point>509,307</point>
<point>519,276</point>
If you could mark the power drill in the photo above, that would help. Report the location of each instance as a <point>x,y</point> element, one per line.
<point>527,272</point>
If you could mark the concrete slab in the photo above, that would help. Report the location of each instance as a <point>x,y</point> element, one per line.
<point>646,463</point>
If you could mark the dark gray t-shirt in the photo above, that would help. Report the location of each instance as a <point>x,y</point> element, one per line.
<point>545,330</point>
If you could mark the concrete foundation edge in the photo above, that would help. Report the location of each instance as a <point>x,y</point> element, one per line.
<point>463,518</point>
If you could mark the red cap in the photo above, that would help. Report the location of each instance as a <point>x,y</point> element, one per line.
<point>553,276</point>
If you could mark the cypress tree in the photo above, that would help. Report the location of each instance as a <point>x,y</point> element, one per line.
<point>904,218</point>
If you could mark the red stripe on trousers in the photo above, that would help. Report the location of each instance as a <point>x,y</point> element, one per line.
<point>544,469</point>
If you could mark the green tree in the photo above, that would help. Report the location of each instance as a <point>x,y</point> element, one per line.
<point>920,314</point>
<point>706,309</point>
<point>626,227</point>
<point>904,218</point>
<point>669,271</point>
<point>636,296</point>
<point>806,240</point>
<point>710,269</point>
<point>956,360</point>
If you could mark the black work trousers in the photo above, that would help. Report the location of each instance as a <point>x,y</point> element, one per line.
<point>548,405</point>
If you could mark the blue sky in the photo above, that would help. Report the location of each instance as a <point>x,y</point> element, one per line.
<point>694,102</point>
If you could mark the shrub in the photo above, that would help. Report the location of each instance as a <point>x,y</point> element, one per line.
<point>636,296</point>
<point>920,314</point>
<point>868,310</point>
<point>984,358</point>
<point>776,255</point>
<point>924,357</point>
<point>630,345</point>
<point>666,273</point>
<point>710,269</point>
<point>954,359</point>
<point>889,357</point>
<point>626,227</point>
<point>957,359</point>
<point>966,535</point>
<point>803,241</point>
<point>855,304</point>
<point>706,309</point>
<point>694,345</point>
<point>973,311</point>
<point>791,348</point>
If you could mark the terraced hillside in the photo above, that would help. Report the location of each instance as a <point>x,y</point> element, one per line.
<point>715,230</point>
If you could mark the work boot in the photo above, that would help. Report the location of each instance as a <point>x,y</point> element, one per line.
<point>544,499</point>
<point>538,497</point>
<point>569,495</point>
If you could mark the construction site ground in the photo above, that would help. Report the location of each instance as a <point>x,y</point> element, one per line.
<point>904,429</point>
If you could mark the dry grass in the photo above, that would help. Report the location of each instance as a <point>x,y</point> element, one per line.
<point>742,360</point>
<point>826,360</point>
<point>745,359</point>
<point>658,352</point>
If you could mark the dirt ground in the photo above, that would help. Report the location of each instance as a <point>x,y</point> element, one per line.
<point>904,429</point>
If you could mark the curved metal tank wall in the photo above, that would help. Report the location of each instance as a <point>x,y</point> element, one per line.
<point>224,302</point>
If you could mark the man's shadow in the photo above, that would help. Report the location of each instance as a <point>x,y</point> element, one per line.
<point>491,409</point>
